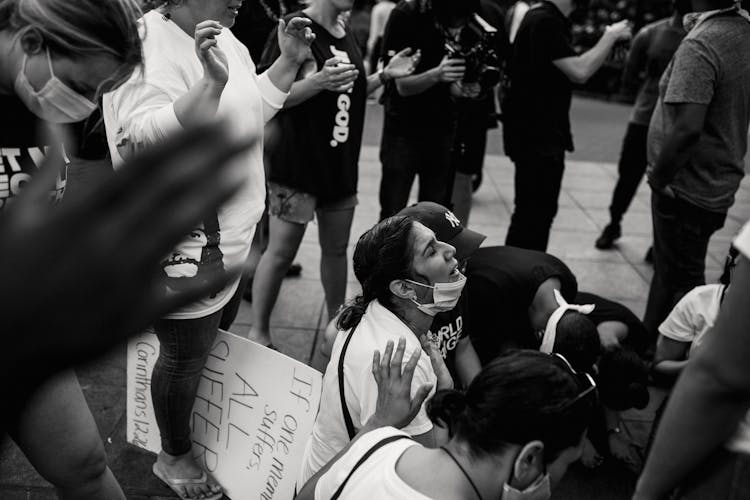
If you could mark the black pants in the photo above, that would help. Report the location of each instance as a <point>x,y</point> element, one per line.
<point>631,167</point>
<point>537,184</point>
<point>681,234</point>
<point>403,158</point>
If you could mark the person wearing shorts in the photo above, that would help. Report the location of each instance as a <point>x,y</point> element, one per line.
<point>313,163</point>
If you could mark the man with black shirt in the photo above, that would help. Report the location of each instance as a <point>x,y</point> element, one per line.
<point>536,106</point>
<point>511,298</point>
<point>420,115</point>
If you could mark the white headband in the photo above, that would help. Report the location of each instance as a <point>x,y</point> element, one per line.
<point>548,341</point>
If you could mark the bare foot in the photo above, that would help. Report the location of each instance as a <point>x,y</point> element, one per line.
<point>184,467</point>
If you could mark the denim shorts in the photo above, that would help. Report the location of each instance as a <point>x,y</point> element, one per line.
<point>292,205</point>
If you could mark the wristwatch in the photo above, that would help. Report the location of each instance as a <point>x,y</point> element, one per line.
<point>614,430</point>
<point>383,77</point>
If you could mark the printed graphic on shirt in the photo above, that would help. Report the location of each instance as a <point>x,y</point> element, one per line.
<point>447,337</point>
<point>18,165</point>
<point>198,256</point>
<point>343,103</point>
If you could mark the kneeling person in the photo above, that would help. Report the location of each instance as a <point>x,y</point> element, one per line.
<point>407,277</point>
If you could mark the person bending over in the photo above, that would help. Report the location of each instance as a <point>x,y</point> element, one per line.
<point>512,296</point>
<point>622,376</point>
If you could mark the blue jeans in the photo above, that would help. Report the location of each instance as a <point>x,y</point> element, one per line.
<point>184,348</point>
<point>725,475</point>
<point>681,234</point>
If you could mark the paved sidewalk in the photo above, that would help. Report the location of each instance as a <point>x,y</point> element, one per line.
<point>619,274</point>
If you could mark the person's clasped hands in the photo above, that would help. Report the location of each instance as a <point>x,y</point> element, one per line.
<point>336,76</point>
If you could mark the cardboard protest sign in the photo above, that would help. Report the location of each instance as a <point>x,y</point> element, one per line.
<point>253,414</point>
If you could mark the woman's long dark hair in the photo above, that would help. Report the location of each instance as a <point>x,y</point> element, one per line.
<point>383,254</point>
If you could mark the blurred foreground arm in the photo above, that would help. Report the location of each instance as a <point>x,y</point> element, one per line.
<point>709,400</point>
<point>81,277</point>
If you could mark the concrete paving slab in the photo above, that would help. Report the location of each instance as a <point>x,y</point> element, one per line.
<point>299,304</point>
<point>609,279</point>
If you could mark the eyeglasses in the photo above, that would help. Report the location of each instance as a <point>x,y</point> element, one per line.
<point>584,380</point>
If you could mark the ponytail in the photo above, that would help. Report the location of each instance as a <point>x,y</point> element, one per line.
<point>446,407</point>
<point>352,313</point>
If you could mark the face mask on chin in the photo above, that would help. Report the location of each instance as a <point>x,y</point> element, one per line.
<point>444,295</point>
<point>55,102</point>
<point>539,490</point>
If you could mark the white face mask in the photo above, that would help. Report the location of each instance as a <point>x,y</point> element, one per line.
<point>55,102</point>
<point>538,490</point>
<point>444,295</point>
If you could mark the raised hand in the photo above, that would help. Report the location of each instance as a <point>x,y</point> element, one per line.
<point>295,39</point>
<point>213,59</point>
<point>81,277</point>
<point>621,30</point>
<point>395,406</point>
<point>402,64</point>
<point>336,76</point>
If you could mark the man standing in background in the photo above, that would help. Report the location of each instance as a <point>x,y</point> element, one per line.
<point>536,107</point>
<point>696,146</point>
<point>651,51</point>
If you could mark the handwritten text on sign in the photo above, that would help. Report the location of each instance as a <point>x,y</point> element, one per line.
<point>252,417</point>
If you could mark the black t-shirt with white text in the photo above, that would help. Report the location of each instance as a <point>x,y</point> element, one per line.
<point>502,282</point>
<point>22,151</point>
<point>447,330</point>
<point>429,114</point>
<point>320,139</point>
<point>536,104</point>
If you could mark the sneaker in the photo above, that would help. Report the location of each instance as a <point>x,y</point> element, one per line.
<point>295,269</point>
<point>608,237</point>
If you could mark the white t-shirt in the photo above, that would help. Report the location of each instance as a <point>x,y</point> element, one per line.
<point>376,477</point>
<point>141,112</point>
<point>693,316</point>
<point>329,435</point>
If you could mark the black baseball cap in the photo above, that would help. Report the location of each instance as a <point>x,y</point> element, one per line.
<point>446,226</point>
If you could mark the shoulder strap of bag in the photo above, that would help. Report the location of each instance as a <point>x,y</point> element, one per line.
<point>344,408</point>
<point>363,459</point>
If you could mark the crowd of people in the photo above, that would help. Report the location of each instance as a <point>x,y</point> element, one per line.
<point>459,370</point>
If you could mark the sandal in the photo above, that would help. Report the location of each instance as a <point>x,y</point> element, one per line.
<point>174,484</point>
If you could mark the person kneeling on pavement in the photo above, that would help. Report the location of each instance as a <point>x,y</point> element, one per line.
<point>407,277</point>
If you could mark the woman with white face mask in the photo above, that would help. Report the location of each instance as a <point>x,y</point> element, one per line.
<point>513,435</point>
<point>196,70</point>
<point>56,56</point>
<point>407,277</point>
